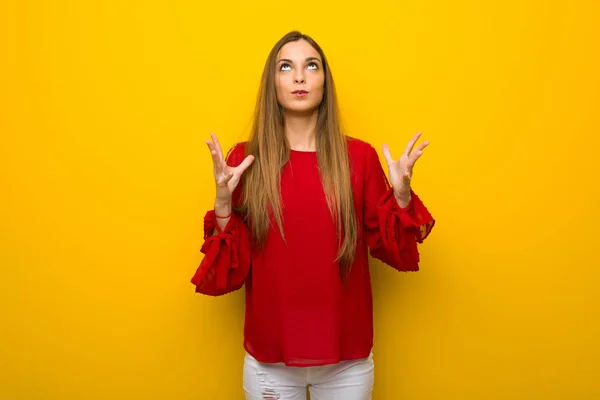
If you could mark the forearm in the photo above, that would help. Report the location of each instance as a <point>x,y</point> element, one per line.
<point>223,209</point>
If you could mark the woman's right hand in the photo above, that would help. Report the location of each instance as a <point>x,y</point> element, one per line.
<point>226,177</point>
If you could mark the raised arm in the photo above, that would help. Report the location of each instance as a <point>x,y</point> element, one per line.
<point>395,218</point>
<point>226,248</point>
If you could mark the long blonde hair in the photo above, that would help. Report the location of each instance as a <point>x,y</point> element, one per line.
<point>268,144</point>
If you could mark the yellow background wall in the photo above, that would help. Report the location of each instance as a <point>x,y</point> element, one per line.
<point>104,109</point>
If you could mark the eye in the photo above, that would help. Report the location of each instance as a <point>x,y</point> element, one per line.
<point>284,66</point>
<point>313,65</point>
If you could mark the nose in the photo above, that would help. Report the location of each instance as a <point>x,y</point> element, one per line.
<point>299,78</point>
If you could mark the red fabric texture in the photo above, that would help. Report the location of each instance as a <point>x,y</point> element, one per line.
<point>297,309</point>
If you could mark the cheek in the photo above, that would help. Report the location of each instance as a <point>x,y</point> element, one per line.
<point>321,88</point>
<point>279,87</point>
<point>320,82</point>
<point>277,83</point>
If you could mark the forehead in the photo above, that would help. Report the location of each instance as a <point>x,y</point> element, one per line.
<point>298,50</point>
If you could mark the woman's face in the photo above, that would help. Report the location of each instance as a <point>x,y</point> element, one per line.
<point>299,77</point>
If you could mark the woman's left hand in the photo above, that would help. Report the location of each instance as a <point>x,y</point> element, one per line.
<point>401,171</point>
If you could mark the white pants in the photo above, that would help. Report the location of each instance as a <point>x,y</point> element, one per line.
<point>347,380</point>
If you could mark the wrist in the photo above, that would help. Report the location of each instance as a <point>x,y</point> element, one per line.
<point>223,207</point>
<point>223,203</point>
<point>403,199</point>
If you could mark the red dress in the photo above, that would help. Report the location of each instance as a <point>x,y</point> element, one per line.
<point>297,309</point>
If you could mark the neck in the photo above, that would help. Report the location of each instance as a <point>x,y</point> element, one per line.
<point>300,130</point>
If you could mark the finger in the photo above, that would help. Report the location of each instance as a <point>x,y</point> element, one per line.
<point>413,159</point>
<point>411,144</point>
<point>217,145</point>
<point>213,153</point>
<point>414,156</point>
<point>245,164</point>
<point>225,179</point>
<point>385,149</point>
<point>228,177</point>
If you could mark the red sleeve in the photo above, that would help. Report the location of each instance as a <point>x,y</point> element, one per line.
<point>391,232</point>
<point>227,254</point>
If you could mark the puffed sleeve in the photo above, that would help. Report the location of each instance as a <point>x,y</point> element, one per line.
<point>227,252</point>
<point>391,232</point>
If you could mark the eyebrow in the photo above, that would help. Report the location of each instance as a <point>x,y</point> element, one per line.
<point>291,62</point>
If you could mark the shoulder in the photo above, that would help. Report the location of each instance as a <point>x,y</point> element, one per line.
<point>361,152</point>
<point>236,154</point>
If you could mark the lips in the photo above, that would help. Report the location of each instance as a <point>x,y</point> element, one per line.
<point>299,92</point>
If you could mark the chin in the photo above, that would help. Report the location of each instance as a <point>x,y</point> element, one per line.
<point>305,108</point>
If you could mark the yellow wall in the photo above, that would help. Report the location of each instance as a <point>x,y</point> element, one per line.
<point>104,109</point>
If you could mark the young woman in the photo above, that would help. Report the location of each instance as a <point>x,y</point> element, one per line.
<point>299,207</point>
